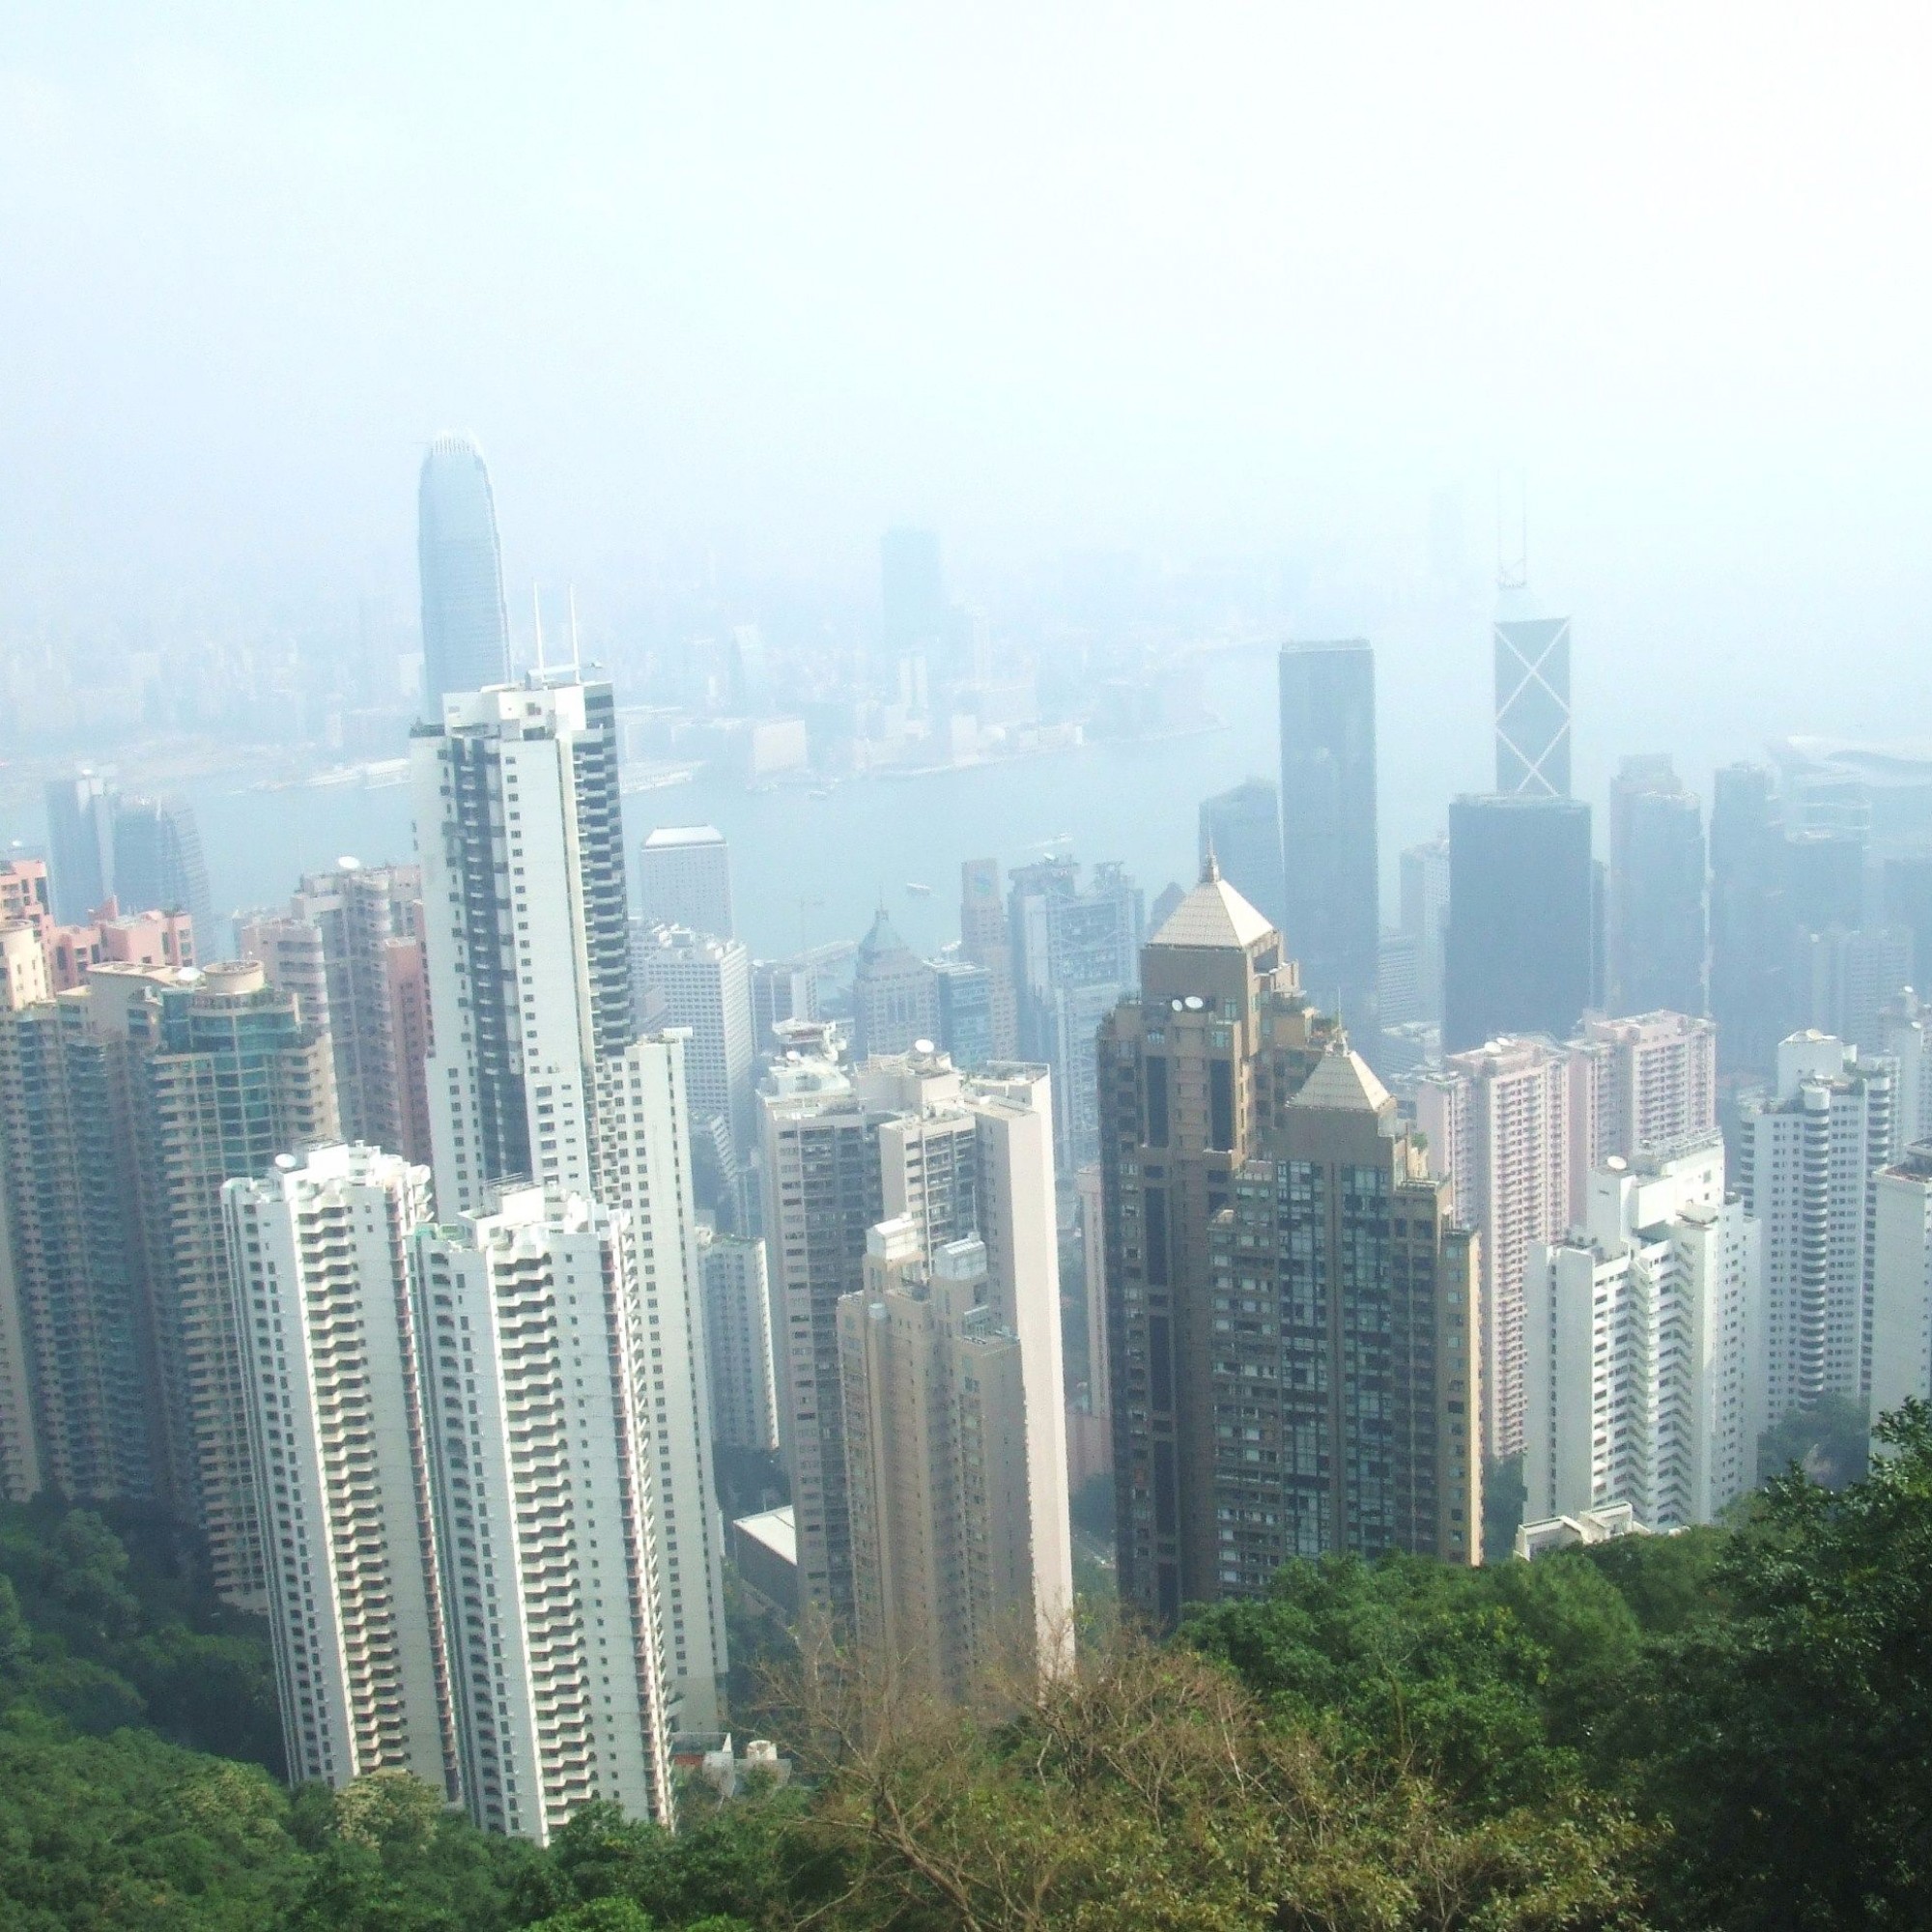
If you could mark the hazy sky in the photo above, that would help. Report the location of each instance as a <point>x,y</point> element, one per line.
<point>1189,279</point>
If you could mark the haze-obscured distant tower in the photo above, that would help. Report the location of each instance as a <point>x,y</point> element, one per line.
<point>1657,890</point>
<point>466,629</point>
<point>1425,915</point>
<point>1751,962</point>
<point>895,996</point>
<point>1243,829</point>
<point>683,878</point>
<point>1532,687</point>
<point>158,863</point>
<point>912,592</point>
<point>738,1343</point>
<point>1521,946</point>
<point>704,984</point>
<point>1075,954</point>
<point>1266,1215</point>
<point>320,1250</point>
<point>1329,839</point>
<point>80,844</point>
<point>985,940</point>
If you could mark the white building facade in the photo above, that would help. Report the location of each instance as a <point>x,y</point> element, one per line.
<point>1643,1365</point>
<point>1902,1280</point>
<point>537,1382</point>
<point>318,1253</point>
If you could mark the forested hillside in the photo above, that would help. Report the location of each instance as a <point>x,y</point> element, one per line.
<point>1727,1729</point>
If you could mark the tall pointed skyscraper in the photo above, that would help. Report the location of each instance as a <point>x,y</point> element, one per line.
<point>464,628</point>
<point>1532,698</point>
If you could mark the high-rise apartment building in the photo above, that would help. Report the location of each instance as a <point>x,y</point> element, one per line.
<point>1518,1125</point>
<point>349,944</point>
<point>1243,829</point>
<point>1075,956</point>
<point>1902,1280</point>
<point>738,1341</point>
<point>906,1136</point>
<point>1642,1373</point>
<point>1905,1039</point>
<point>537,1339</point>
<point>895,999</point>
<point>1809,1152</point>
<point>1328,837</point>
<point>319,1251</point>
<point>1296,1340</point>
<point>1498,1126</point>
<point>25,898</point>
<point>1520,950</point>
<point>1749,963</point>
<point>23,985</point>
<point>985,940</point>
<point>229,1075</point>
<point>1656,940</point>
<point>936,1468</point>
<point>466,630</point>
<point>683,878</point>
<point>1095,1415</point>
<point>158,863</point>
<point>535,1070</point>
<point>80,844</point>
<point>703,984</point>
<point>1532,685</point>
<point>519,830</point>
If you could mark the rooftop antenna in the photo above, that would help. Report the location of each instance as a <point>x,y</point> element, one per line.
<point>536,604</point>
<point>576,655</point>
<point>1513,573</point>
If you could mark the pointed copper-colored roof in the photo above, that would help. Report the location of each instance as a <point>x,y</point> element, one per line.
<point>1214,915</point>
<point>1344,1081</point>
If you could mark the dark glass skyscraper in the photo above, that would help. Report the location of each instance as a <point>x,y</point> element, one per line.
<point>80,846</point>
<point>1657,890</point>
<point>1331,893</point>
<point>1243,829</point>
<point>157,864</point>
<point>466,630</point>
<point>1521,943</point>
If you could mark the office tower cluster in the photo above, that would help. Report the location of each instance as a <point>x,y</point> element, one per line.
<point>108,850</point>
<point>910,1230</point>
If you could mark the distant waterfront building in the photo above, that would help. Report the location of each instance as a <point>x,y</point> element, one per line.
<point>1243,829</point>
<point>781,989</point>
<point>466,630</point>
<point>80,844</point>
<point>964,999</point>
<point>319,1253</point>
<point>1532,687</point>
<point>1075,955</point>
<point>158,863</point>
<point>984,938</point>
<point>1810,1153</point>
<point>1520,950</point>
<point>703,984</point>
<point>895,998</point>
<point>683,878</point>
<point>1657,939</point>
<point>1266,1217</point>
<point>1328,837</point>
<point>936,1468</point>
<point>738,1343</point>
<point>1643,1367</point>
<point>537,1339</point>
